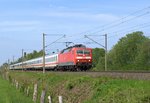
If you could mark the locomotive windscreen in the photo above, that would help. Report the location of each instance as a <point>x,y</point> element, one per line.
<point>87,52</point>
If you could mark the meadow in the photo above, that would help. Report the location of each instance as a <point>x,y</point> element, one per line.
<point>78,88</point>
<point>9,94</point>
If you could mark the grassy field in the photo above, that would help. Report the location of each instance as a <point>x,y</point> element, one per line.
<point>85,89</point>
<point>9,94</point>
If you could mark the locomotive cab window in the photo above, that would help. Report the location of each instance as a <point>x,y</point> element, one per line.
<point>79,51</point>
<point>86,52</point>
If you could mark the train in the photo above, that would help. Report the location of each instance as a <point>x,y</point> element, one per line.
<point>73,58</point>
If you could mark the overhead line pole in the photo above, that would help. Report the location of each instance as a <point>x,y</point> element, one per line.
<point>44,46</point>
<point>105,52</point>
<point>44,53</point>
<point>8,64</point>
<point>22,58</point>
<point>105,47</point>
<point>13,59</point>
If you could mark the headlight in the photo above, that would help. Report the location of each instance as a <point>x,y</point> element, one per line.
<point>89,60</point>
<point>78,60</point>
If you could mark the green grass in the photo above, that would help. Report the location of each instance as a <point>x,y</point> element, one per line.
<point>9,94</point>
<point>77,88</point>
<point>121,91</point>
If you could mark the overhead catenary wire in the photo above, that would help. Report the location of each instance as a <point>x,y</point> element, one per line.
<point>127,31</point>
<point>143,25</point>
<point>120,23</point>
<point>126,19</point>
<point>116,23</point>
<point>113,22</point>
<point>139,25</point>
<point>136,29</point>
<point>56,40</point>
<point>110,25</point>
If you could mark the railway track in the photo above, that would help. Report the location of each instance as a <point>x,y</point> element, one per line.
<point>139,75</point>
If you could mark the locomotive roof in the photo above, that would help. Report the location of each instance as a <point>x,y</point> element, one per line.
<point>77,45</point>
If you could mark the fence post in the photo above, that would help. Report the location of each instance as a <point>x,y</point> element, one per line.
<point>17,84</point>
<point>60,99</point>
<point>7,73</point>
<point>42,96</point>
<point>49,99</point>
<point>35,92</point>
<point>28,91</point>
<point>13,82</point>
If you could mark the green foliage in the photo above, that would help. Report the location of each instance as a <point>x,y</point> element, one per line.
<point>98,58</point>
<point>130,53</point>
<point>69,85</point>
<point>76,82</point>
<point>4,66</point>
<point>9,94</point>
<point>77,88</point>
<point>119,91</point>
<point>142,60</point>
<point>34,54</point>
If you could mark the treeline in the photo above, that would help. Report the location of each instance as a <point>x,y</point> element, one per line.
<point>132,52</point>
<point>34,54</point>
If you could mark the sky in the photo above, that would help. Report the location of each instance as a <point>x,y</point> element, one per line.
<point>22,23</point>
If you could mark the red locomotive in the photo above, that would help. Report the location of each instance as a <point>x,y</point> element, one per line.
<point>77,57</point>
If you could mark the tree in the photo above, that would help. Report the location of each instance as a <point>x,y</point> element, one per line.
<point>142,60</point>
<point>98,58</point>
<point>34,54</point>
<point>123,54</point>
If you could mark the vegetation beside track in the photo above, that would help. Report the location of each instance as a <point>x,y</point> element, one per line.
<point>9,94</point>
<point>131,52</point>
<point>78,88</point>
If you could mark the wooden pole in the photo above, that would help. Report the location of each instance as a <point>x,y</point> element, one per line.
<point>35,92</point>
<point>60,99</point>
<point>49,99</point>
<point>42,96</point>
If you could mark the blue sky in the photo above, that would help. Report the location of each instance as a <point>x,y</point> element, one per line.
<point>22,22</point>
